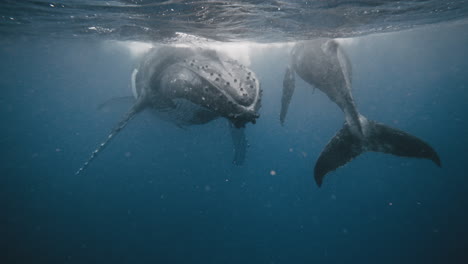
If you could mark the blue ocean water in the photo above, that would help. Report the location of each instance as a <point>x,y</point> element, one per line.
<point>163,194</point>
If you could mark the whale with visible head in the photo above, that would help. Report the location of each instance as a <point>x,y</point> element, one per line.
<point>323,64</point>
<point>193,86</point>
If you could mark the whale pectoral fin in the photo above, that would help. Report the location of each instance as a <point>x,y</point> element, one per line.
<point>288,91</point>
<point>341,149</point>
<point>139,105</point>
<point>385,139</point>
<point>240,144</point>
<point>116,101</point>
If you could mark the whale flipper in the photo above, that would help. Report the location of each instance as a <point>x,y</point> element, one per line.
<point>240,144</point>
<point>288,91</point>
<point>139,105</point>
<point>345,146</point>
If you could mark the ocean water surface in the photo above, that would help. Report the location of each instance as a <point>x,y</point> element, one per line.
<point>164,194</point>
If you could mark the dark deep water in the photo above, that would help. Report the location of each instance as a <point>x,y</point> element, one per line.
<point>162,194</point>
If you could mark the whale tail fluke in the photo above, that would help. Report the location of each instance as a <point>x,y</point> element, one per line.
<point>139,105</point>
<point>345,146</point>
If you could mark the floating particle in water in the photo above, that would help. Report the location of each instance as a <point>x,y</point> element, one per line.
<point>272,172</point>
<point>58,150</point>
<point>207,188</point>
<point>291,149</point>
<point>390,203</point>
<point>128,154</point>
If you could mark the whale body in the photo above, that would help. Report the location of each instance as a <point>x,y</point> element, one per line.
<point>324,64</point>
<point>192,86</point>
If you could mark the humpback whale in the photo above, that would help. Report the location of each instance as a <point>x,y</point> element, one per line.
<point>191,86</point>
<point>325,65</point>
